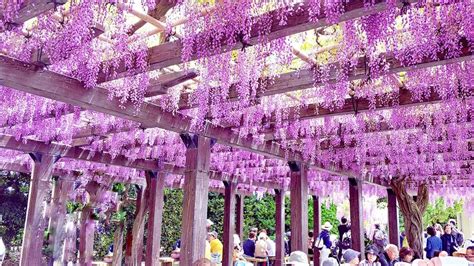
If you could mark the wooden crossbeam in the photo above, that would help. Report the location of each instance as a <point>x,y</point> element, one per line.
<point>161,84</point>
<point>32,8</point>
<point>297,21</point>
<point>9,142</point>
<point>59,87</point>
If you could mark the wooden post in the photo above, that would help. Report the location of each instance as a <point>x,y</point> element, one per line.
<point>229,222</point>
<point>56,229</point>
<point>139,224</point>
<point>196,188</point>
<point>86,241</point>
<point>316,227</point>
<point>355,197</point>
<point>239,221</point>
<point>118,244</point>
<point>70,248</point>
<point>31,251</point>
<point>280,227</point>
<point>299,206</point>
<point>393,231</point>
<point>155,218</point>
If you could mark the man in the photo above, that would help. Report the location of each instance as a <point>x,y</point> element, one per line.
<point>448,240</point>
<point>249,245</point>
<point>344,238</point>
<point>390,255</point>
<point>216,247</point>
<point>380,238</point>
<point>458,235</point>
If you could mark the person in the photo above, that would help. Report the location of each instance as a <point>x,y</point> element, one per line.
<point>433,243</point>
<point>310,241</point>
<point>202,262</point>
<point>323,243</point>
<point>448,241</point>
<point>380,238</point>
<point>287,243</point>
<point>439,230</point>
<point>330,262</point>
<point>470,255</point>
<point>176,250</point>
<point>261,247</point>
<point>351,257</point>
<point>390,255</point>
<point>298,258</point>
<point>216,247</point>
<point>406,255</point>
<point>371,257</point>
<point>344,238</point>
<point>271,248</point>
<point>402,238</point>
<point>458,235</point>
<point>249,245</point>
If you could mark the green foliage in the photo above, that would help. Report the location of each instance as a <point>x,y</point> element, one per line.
<point>103,238</point>
<point>439,213</point>
<point>119,188</point>
<point>172,213</point>
<point>259,213</point>
<point>72,206</point>
<point>215,212</point>
<point>119,216</point>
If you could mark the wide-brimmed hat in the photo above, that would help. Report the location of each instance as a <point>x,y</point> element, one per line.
<point>350,254</point>
<point>298,258</point>
<point>327,226</point>
<point>210,223</point>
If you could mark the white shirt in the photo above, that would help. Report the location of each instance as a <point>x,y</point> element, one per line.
<point>271,248</point>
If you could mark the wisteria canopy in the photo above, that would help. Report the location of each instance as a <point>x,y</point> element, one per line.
<point>375,90</point>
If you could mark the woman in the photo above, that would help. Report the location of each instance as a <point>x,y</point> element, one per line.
<point>433,243</point>
<point>371,257</point>
<point>448,241</point>
<point>406,255</point>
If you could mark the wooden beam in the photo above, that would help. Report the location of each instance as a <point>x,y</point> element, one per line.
<point>280,227</point>
<point>297,21</point>
<point>392,208</point>
<point>316,226</point>
<point>155,218</point>
<point>58,87</point>
<point>160,85</point>
<point>32,243</point>
<point>9,142</point>
<point>239,221</point>
<point>299,206</point>
<point>357,227</point>
<point>30,9</point>
<point>229,222</point>
<point>56,228</point>
<point>196,187</point>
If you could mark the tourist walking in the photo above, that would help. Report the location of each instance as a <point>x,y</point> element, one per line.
<point>344,236</point>
<point>261,247</point>
<point>379,238</point>
<point>433,243</point>
<point>323,242</point>
<point>448,241</point>
<point>249,245</point>
<point>216,247</point>
<point>458,235</point>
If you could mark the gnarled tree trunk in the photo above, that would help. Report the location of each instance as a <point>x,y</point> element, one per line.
<point>412,211</point>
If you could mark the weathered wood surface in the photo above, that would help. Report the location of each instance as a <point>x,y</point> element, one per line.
<point>138,228</point>
<point>279,227</point>
<point>239,218</point>
<point>299,206</point>
<point>155,219</point>
<point>316,226</point>
<point>196,187</point>
<point>392,208</point>
<point>31,250</point>
<point>30,9</point>
<point>229,222</point>
<point>58,87</point>
<point>357,223</point>
<point>56,228</point>
<point>161,84</point>
<point>118,244</point>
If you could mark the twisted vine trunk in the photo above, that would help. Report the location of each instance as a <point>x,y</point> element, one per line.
<point>412,211</point>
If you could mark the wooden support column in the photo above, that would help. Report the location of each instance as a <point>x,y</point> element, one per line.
<point>299,206</point>
<point>316,227</point>
<point>239,221</point>
<point>34,223</point>
<point>70,248</point>
<point>155,218</point>
<point>280,227</point>
<point>56,227</point>
<point>355,197</point>
<point>118,244</point>
<point>196,188</point>
<point>393,231</point>
<point>229,222</point>
<point>138,228</point>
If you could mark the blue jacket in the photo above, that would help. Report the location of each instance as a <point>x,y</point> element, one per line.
<point>324,236</point>
<point>249,247</point>
<point>433,243</point>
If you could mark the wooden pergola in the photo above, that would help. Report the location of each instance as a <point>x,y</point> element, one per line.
<point>193,166</point>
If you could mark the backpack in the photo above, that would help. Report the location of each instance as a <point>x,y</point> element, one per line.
<point>319,243</point>
<point>346,241</point>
